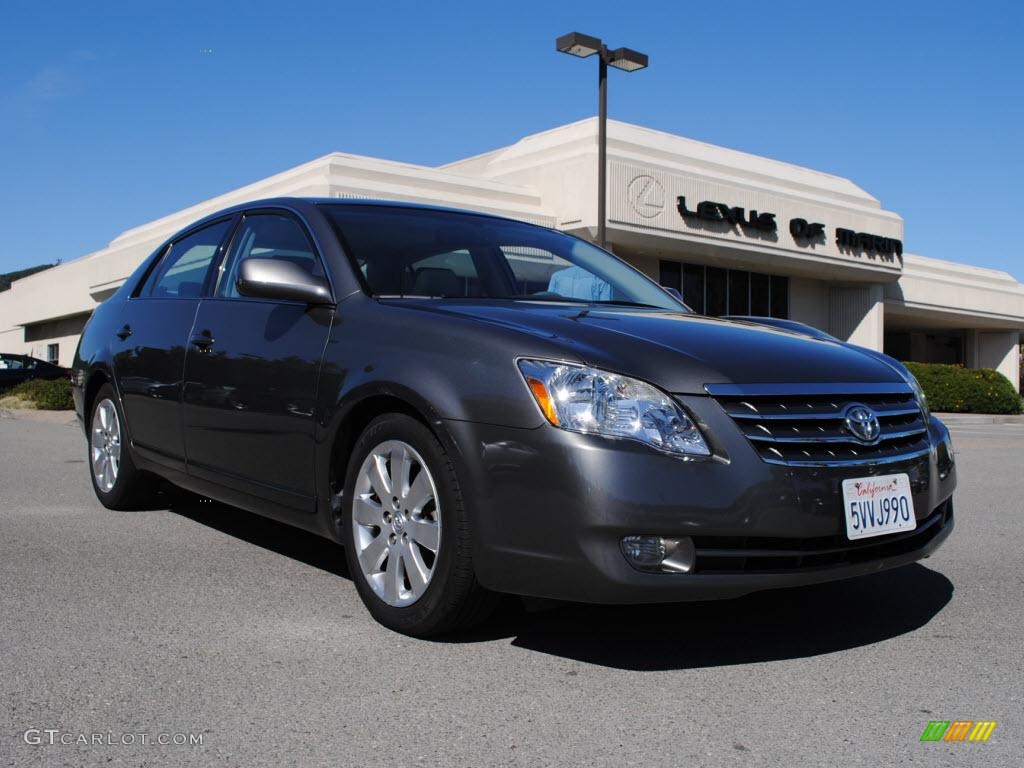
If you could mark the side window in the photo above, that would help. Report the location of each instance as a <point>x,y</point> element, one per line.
<point>267,236</point>
<point>182,271</point>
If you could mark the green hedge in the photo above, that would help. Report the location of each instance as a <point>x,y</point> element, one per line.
<point>53,395</point>
<point>954,389</point>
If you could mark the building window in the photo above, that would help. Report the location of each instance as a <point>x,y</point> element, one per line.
<point>760,295</point>
<point>715,291</point>
<point>780,296</point>
<point>53,353</point>
<point>670,274</point>
<point>693,287</point>
<point>739,292</point>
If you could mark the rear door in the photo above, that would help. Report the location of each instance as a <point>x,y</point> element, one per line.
<point>149,348</point>
<point>251,373</point>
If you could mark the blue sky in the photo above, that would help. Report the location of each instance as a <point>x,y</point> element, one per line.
<point>113,114</point>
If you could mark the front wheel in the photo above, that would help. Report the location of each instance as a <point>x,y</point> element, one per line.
<point>115,479</point>
<point>407,533</point>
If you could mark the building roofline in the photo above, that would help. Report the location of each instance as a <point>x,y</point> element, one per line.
<point>713,156</point>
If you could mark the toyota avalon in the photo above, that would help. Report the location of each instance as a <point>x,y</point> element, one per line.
<point>472,405</point>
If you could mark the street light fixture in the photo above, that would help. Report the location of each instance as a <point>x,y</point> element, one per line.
<point>626,59</point>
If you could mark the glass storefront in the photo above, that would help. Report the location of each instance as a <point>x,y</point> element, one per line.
<point>717,291</point>
<point>926,346</point>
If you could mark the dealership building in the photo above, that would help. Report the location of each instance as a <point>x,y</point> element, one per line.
<point>733,233</point>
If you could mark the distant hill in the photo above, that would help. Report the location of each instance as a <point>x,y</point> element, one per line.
<point>10,277</point>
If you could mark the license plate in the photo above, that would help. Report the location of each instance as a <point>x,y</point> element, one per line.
<point>878,505</point>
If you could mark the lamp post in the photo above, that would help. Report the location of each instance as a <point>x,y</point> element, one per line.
<point>625,59</point>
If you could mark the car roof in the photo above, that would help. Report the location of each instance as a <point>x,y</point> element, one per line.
<point>299,202</point>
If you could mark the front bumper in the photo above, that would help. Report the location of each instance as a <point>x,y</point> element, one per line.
<point>550,508</point>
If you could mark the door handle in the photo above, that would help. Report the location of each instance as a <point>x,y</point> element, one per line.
<point>124,333</point>
<point>203,340</point>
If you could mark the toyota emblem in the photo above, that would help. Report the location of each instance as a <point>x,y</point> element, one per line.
<point>862,423</point>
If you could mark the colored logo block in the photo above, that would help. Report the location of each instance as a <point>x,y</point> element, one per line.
<point>958,730</point>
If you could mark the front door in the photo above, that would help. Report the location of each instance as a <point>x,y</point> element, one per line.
<point>251,374</point>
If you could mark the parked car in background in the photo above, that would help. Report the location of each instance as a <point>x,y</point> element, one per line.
<point>14,369</point>
<point>472,405</point>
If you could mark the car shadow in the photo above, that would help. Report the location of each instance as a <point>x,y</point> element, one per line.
<point>286,540</point>
<point>766,626</point>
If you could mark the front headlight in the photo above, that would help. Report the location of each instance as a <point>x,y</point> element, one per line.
<point>919,394</point>
<point>582,399</point>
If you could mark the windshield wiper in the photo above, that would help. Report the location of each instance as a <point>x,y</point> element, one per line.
<point>568,300</point>
<point>624,303</point>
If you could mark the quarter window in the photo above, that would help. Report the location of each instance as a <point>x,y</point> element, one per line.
<point>267,236</point>
<point>183,270</point>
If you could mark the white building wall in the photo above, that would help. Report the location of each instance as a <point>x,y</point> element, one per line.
<point>945,288</point>
<point>808,302</point>
<point>999,350</point>
<point>856,315</point>
<point>12,340</point>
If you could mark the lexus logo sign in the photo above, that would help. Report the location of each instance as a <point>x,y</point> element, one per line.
<point>646,196</point>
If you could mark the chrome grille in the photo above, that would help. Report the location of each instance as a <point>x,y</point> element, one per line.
<point>804,425</point>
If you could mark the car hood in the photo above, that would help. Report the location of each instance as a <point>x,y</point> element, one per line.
<point>679,352</point>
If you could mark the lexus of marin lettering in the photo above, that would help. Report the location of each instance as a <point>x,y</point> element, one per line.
<point>471,405</point>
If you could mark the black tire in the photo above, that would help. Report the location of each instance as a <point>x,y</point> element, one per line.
<point>133,488</point>
<point>453,600</point>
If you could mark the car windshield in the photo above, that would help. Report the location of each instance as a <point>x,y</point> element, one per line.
<point>410,252</point>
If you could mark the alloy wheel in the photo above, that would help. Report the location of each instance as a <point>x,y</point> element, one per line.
<point>105,445</point>
<point>396,523</point>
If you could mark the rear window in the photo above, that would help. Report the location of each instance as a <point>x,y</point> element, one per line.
<point>11,363</point>
<point>182,271</point>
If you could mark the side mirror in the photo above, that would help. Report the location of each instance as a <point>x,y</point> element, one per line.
<point>277,279</point>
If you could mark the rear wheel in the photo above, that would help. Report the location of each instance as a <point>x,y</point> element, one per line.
<point>115,479</point>
<point>407,533</point>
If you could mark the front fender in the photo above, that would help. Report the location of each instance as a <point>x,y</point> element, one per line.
<point>445,370</point>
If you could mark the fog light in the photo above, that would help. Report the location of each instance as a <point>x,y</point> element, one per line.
<point>655,553</point>
<point>644,551</point>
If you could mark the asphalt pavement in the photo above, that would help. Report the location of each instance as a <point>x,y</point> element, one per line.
<point>206,623</point>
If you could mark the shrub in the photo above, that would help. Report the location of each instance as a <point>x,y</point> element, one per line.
<point>954,389</point>
<point>47,395</point>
